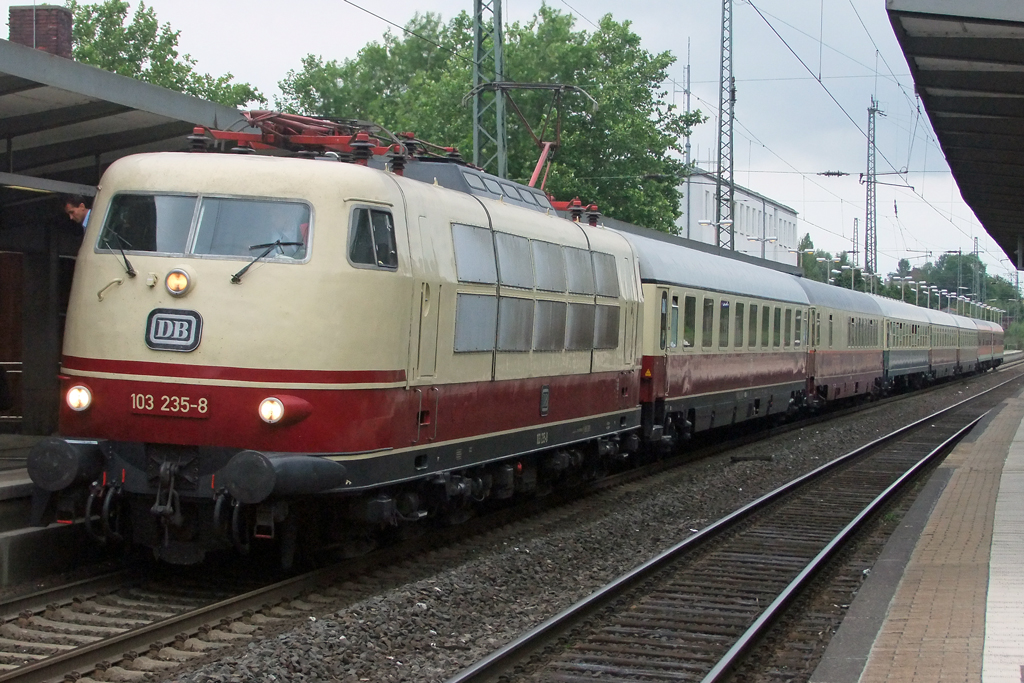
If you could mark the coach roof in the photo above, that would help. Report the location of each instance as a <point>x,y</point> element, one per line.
<point>667,263</point>
<point>829,296</point>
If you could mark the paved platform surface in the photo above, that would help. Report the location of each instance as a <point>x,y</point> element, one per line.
<point>945,602</point>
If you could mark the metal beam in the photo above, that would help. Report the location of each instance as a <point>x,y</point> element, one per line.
<point>44,155</point>
<point>981,105</point>
<point>974,81</point>
<point>990,50</point>
<point>54,118</point>
<point>43,69</point>
<point>11,85</point>
<point>13,180</point>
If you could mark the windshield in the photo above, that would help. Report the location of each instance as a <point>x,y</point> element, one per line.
<point>170,224</point>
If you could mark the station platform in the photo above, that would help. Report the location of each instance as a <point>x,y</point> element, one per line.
<point>945,601</point>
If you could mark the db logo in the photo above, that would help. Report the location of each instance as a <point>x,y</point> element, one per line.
<point>168,329</point>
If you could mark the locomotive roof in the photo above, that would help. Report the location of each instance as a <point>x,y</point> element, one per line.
<point>475,182</point>
<point>664,262</point>
<point>830,296</point>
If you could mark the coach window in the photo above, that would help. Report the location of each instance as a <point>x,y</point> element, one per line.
<point>675,322</point>
<point>664,320</point>
<point>788,329</point>
<point>766,326</point>
<point>752,327</point>
<point>777,333</point>
<point>723,325</point>
<point>474,254</point>
<point>708,324</point>
<point>737,332</point>
<point>830,331</point>
<point>798,329</point>
<point>690,321</point>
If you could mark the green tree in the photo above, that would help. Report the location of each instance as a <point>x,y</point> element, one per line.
<point>142,48</point>
<point>625,156</point>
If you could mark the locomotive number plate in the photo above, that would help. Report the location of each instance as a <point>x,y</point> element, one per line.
<point>193,406</point>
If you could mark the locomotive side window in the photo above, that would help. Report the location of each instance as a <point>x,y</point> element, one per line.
<point>550,266</point>
<point>579,270</point>
<point>549,326</point>
<point>690,321</point>
<point>604,274</point>
<point>474,254</point>
<point>243,227</point>
<point>579,328</point>
<point>606,327</point>
<point>514,260</point>
<point>158,223</point>
<point>708,324</point>
<point>476,319</point>
<point>515,324</point>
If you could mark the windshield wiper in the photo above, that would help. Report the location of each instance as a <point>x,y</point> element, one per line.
<point>120,247</point>
<point>237,277</point>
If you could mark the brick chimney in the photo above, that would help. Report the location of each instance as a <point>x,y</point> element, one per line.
<point>52,28</point>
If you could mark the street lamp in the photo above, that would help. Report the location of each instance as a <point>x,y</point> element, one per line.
<point>853,273</point>
<point>931,289</point>
<point>763,241</point>
<point>833,271</point>
<point>943,293</point>
<point>904,280</point>
<point>725,223</point>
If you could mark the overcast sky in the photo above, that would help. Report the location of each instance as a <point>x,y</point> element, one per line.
<point>788,129</point>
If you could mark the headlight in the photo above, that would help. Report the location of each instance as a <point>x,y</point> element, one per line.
<point>177,282</point>
<point>271,410</point>
<point>79,398</point>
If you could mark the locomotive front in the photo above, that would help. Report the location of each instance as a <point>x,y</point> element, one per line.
<point>205,344</point>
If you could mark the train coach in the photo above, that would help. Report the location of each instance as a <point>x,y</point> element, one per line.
<point>281,351</point>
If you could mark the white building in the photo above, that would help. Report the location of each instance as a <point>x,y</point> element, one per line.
<point>756,219</point>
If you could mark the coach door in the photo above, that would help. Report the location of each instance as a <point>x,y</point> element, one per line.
<point>812,332</point>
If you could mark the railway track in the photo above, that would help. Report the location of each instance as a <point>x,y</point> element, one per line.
<point>695,610</point>
<point>120,626</point>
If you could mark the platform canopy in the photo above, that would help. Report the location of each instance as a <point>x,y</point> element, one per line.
<point>61,121</point>
<point>967,61</point>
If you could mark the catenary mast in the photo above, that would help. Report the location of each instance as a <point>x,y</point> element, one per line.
<point>726,111</point>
